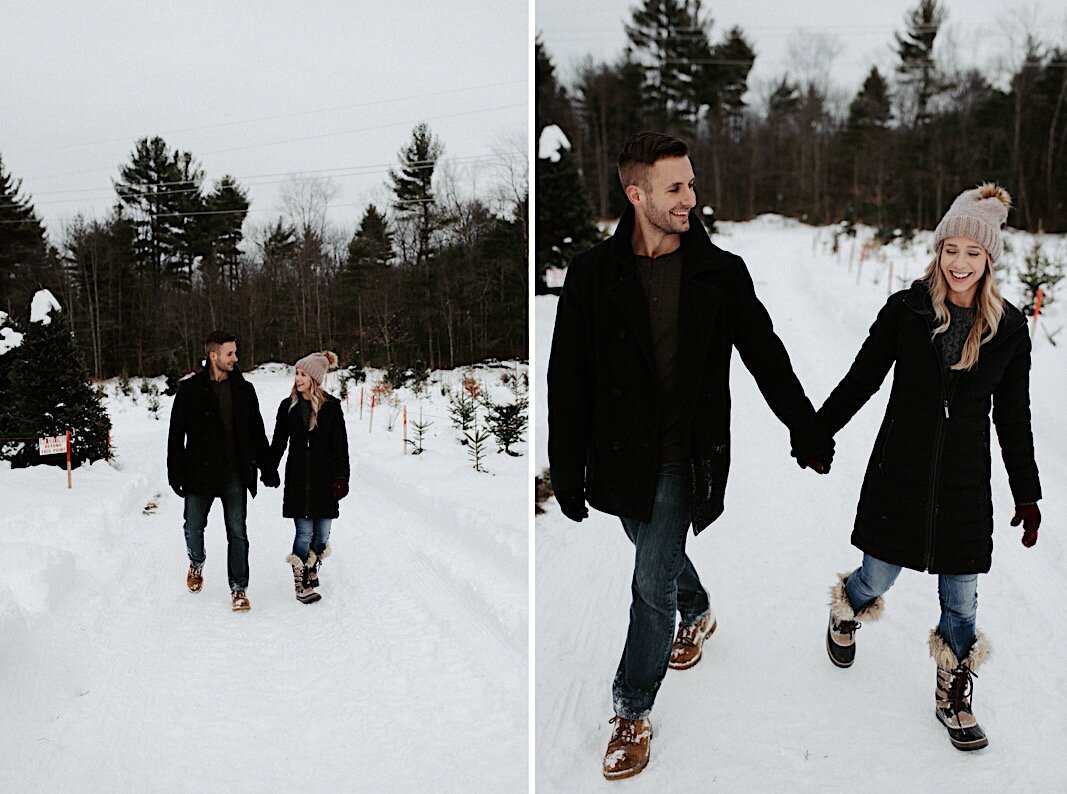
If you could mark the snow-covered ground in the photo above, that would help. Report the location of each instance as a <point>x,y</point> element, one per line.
<point>410,674</point>
<point>765,710</point>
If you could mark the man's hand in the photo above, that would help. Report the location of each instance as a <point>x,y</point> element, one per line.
<point>179,490</point>
<point>340,489</point>
<point>1030,517</point>
<point>270,479</point>
<point>572,502</point>
<point>821,464</point>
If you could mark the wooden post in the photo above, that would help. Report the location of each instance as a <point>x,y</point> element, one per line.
<point>361,403</point>
<point>889,285</point>
<point>370,424</point>
<point>70,483</point>
<point>1037,310</point>
<point>405,430</point>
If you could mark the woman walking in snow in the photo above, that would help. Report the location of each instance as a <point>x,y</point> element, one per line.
<point>959,348</point>
<point>312,424</point>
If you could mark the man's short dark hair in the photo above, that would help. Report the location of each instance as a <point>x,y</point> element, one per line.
<point>217,339</point>
<point>643,150</point>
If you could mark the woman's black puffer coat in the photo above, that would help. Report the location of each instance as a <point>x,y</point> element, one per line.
<point>925,502</point>
<point>316,458</point>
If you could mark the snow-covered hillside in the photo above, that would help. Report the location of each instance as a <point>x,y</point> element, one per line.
<point>410,674</point>
<point>765,710</point>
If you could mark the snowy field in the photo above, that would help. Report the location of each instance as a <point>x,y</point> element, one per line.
<point>765,710</point>
<point>410,674</point>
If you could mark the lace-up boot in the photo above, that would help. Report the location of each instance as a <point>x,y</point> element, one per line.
<point>628,750</point>
<point>194,579</point>
<point>688,645</point>
<point>845,621</point>
<point>955,685</point>
<point>304,594</point>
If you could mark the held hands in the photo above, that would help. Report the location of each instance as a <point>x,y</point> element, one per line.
<point>270,479</point>
<point>572,502</point>
<point>340,489</point>
<point>820,465</point>
<point>1030,517</point>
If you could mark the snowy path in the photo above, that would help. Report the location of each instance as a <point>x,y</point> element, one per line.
<point>765,710</point>
<point>410,673</point>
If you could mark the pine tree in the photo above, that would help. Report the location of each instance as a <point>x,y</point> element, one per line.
<point>508,422</point>
<point>148,191</point>
<point>915,48</point>
<point>565,223</point>
<point>51,393</point>
<point>670,39</point>
<point>413,186</point>
<point>24,250</point>
<point>225,209</point>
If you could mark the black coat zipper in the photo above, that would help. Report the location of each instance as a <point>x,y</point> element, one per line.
<point>947,391</point>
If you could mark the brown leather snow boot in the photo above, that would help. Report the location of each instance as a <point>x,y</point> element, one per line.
<point>239,601</point>
<point>194,579</point>
<point>689,643</point>
<point>628,750</point>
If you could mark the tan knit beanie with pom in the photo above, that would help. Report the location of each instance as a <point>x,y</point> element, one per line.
<point>977,215</point>
<point>317,364</point>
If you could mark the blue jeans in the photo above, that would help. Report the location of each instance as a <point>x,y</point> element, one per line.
<point>958,594</point>
<point>311,533</point>
<point>665,583</point>
<point>234,510</point>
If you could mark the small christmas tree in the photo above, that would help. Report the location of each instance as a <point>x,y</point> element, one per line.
<point>50,392</point>
<point>507,423</point>
<point>1039,271</point>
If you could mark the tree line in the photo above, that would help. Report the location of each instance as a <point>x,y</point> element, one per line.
<point>893,156</point>
<point>430,279</point>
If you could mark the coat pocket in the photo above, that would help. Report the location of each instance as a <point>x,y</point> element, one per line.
<point>884,445</point>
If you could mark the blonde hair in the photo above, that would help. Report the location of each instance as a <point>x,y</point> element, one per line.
<point>316,396</point>
<point>989,307</point>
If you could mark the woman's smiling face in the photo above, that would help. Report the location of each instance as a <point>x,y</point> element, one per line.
<point>963,262</point>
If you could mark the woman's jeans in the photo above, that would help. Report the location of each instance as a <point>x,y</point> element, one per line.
<point>664,583</point>
<point>311,533</point>
<point>958,594</point>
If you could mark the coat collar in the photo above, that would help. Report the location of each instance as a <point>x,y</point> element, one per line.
<point>917,298</point>
<point>699,254</point>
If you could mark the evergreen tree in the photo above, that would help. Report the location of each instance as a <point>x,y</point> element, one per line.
<point>916,71</point>
<point>51,393</point>
<point>225,209</point>
<point>413,186</point>
<point>24,250</point>
<point>565,223</point>
<point>670,40</point>
<point>149,191</point>
<point>10,339</point>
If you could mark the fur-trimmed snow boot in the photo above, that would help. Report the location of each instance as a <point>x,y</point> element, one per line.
<point>314,563</point>
<point>955,685</point>
<point>628,750</point>
<point>845,621</point>
<point>304,594</point>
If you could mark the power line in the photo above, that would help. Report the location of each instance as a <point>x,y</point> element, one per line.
<point>224,124</point>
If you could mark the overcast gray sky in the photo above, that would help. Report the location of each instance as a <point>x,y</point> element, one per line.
<point>983,30</point>
<point>258,90</point>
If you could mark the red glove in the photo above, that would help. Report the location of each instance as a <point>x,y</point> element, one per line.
<point>1030,517</point>
<point>820,465</point>
<point>340,489</point>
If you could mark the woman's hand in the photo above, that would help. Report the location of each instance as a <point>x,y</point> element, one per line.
<point>1030,517</point>
<point>340,489</point>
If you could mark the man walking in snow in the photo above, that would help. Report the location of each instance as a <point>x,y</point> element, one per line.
<point>215,445</point>
<point>639,410</point>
